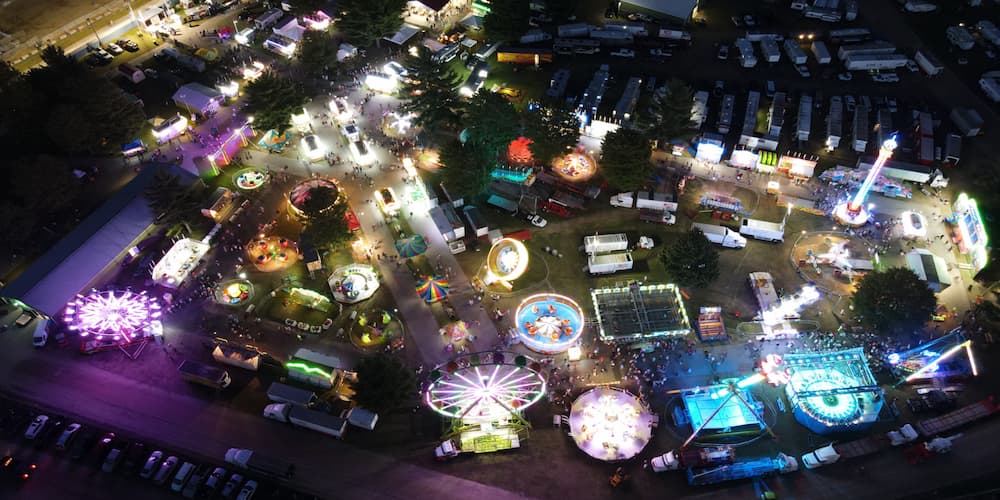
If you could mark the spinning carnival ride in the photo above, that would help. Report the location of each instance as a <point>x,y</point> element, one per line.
<point>484,394</point>
<point>121,315</point>
<point>854,212</point>
<point>549,323</point>
<point>832,391</point>
<point>507,261</point>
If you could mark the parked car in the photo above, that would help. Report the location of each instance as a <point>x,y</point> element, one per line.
<point>232,486</point>
<point>181,478</point>
<point>66,439</point>
<point>128,45</point>
<point>723,53</point>
<point>194,484</point>
<point>537,220</point>
<point>134,456</point>
<point>623,53</point>
<point>165,471</point>
<point>36,427</point>
<point>248,490</point>
<point>214,482</point>
<point>112,460</point>
<point>660,53</point>
<point>845,77</point>
<point>152,464</point>
<point>885,78</point>
<point>912,66</point>
<point>114,49</point>
<point>83,443</point>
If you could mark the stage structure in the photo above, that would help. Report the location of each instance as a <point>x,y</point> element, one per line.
<point>854,213</point>
<point>833,391</point>
<point>938,359</point>
<point>482,395</point>
<point>635,312</point>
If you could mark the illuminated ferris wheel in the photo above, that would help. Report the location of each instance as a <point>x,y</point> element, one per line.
<point>485,386</point>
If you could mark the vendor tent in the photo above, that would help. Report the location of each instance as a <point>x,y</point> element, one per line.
<point>198,99</point>
<point>273,141</point>
<point>930,268</point>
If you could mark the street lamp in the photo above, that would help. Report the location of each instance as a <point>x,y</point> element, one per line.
<point>99,42</point>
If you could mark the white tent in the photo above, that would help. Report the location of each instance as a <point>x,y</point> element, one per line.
<point>930,268</point>
<point>199,99</point>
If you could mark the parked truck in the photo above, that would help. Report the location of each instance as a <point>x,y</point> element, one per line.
<point>834,452</point>
<point>283,393</point>
<point>534,36</point>
<point>609,263</point>
<point>955,419</point>
<point>877,62</point>
<point>821,53</point>
<point>769,48</point>
<point>721,235</point>
<point>575,29</point>
<point>694,457</point>
<point>928,63</point>
<point>255,462</point>
<point>300,416</point>
<point>207,375</point>
<point>656,216</point>
<point>742,470</point>
<point>601,243</point>
<point>794,52</point>
<point>747,57</point>
<point>763,230</point>
<point>645,199</point>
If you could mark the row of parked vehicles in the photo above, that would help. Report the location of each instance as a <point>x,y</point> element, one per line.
<point>100,56</point>
<point>115,454</point>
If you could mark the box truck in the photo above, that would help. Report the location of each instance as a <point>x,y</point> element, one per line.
<point>609,263</point>
<point>763,230</point>
<point>821,53</point>
<point>200,373</point>
<point>794,52</point>
<point>769,48</point>
<point>928,63</point>
<point>721,235</point>
<point>283,393</point>
<point>601,243</point>
<point>747,57</point>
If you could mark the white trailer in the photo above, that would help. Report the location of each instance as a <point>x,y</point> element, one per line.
<point>636,29</point>
<point>872,47</point>
<point>928,63</point>
<point>317,421</point>
<point>750,116</point>
<point>601,243</point>
<point>534,36</point>
<point>609,263</point>
<point>674,35</point>
<point>747,57</point>
<point>699,109</point>
<point>721,235</point>
<point>763,230</point>
<point>236,356</point>
<point>769,48</point>
<point>575,29</point>
<point>967,120</point>
<point>726,113</point>
<point>821,53</point>
<point>878,62</point>
<point>804,124</point>
<point>612,37</point>
<point>860,129</point>
<point>953,149</point>
<point>794,52</point>
<point>834,123</point>
<point>644,199</point>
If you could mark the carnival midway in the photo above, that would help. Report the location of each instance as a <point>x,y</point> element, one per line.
<point>539,309</point>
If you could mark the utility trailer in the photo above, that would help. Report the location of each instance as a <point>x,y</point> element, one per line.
<point>953,420</point>
<point>742,470</point>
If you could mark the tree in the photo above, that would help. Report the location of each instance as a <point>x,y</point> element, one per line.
<point>894,299</point>
<point>461,172</point>
<point>560,9</point>
<point>692,261</point>
<point>44,184</point>
<point>366,21</point>
<point>304,7</point>
<point>326,228</point>
<point>318,53</point>
<point>384,383</point>
<point>507,19</point>
<point>162,190</point>
<point>553,131</point>
<point>431,92</point>
<point>625,158</point>
<point>272,99</point>
<point>490,123</point>
<point>675,110</point>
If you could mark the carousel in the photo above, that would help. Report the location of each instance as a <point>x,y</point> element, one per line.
<point>250,179</point>
<point>272,253</point>
<point>234,293</point>
<point>353,283</point>
<point>302,193</point>
<point>577,166</point>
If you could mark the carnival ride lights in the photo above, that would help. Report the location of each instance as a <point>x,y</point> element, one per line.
<point>789,307</point>
<point>401,122</point>
<point>730,401</point>
<point>234,293</point>
<point>506,261</point>
<point>272,253</point>
<point>925,362</point>
<point>253,70</point>
<point>575,166</point>
<point>914,225</point>
<point>972,231</point>
<point>120,315</point>
<point>250,179</point>
<point>610,424</point>
<point>549,323</point>
<point>474,390</point>
<point>302,192</point>
<point>833,391</point>
<point>854,212</point>
<point>229,89</point>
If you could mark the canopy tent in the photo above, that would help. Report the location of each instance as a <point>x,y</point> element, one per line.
<point>930,268</point>
<point>405,33</point>
<point>433,289</point>
<point>473,22</point>
<point>412,246</point>
<point>273,141</point>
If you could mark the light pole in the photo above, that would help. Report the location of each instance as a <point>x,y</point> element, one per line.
<point>99,42</point>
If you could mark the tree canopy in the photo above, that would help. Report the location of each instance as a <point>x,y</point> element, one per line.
<point>430,92</point>
<point>461,171</point>
<point>893,299</point>
<point>507,19</point>
<point>553,131</point>
<point>318,53</point>
<point>675,110</point>
<point>272,99</point>
<point>62,106</point>
<point>366,21</point>
<point>327,226</point>
<point>692,261</point>
<point>384,383</point>
<point>625,158</point>
<point>491,123</point>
